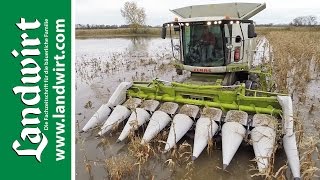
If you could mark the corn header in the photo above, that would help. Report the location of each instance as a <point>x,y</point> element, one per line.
<point>225,94</point>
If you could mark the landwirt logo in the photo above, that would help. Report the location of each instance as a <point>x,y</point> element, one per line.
<point>29,93</point>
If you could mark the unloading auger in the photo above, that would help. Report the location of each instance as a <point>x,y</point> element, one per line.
<point>225,94</point>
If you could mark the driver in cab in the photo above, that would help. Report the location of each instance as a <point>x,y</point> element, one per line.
<point>208,41</point>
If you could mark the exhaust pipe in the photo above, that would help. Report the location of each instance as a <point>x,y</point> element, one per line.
<point>159,120</point>
<point>118,97</point>
<point>233,132</point>
<point>206,127</point>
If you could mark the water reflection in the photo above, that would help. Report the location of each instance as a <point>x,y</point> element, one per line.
<point>102,48</point>
<point>139,43</point>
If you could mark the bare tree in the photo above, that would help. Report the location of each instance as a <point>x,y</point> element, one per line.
<point>135,16</point>
<point>305,21</point>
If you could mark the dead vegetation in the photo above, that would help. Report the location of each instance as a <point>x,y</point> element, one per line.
<point>295,55</point>
<point>119,167</point>
<point>309,158</point>
<point>295,61</point>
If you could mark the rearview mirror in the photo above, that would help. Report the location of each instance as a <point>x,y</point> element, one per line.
<point>251,31</point>
<point>164,31</point>
<point>238,39</point>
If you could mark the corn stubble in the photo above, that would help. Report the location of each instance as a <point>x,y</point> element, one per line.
<point>295,62</point>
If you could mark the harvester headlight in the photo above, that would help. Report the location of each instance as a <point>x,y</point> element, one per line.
<point>219,22</point>
<point>238,22</point>
<point>215,22</point>
<point>187,24</point>
<point>208,23</point>
<point>171,25</point>
<point>231,22</point>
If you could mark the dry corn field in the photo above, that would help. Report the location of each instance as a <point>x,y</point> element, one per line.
<point>295,62</point>
<point>296,70</point>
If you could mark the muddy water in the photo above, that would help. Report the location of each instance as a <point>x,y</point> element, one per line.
<point>101,64</point>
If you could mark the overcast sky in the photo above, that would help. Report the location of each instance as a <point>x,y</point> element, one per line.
<point>108,11</point>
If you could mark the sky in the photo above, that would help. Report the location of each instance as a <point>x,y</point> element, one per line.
<point>108,11</point>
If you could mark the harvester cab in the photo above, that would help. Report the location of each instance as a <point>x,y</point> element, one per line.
<point>215,39</point>
<point>216,44</point>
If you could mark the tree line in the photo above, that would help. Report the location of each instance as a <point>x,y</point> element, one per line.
<point>103,26</point>
<point>135,18</point>
<point>304,21</point>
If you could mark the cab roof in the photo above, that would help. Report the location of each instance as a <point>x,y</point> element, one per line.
<point>241,11</point>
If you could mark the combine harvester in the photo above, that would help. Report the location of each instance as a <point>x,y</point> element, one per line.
<point>224,95</point>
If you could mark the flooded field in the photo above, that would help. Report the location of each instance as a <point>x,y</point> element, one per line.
<point>101,64</point>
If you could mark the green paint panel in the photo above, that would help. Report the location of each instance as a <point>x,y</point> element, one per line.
<point>224,97</point>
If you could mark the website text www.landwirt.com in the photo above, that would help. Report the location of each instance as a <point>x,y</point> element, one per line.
<point>59,87</point>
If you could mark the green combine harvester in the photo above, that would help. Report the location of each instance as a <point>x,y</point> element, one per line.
<point>225,94</point>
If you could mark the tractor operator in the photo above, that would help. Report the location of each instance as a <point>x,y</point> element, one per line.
<point>208,41</point>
